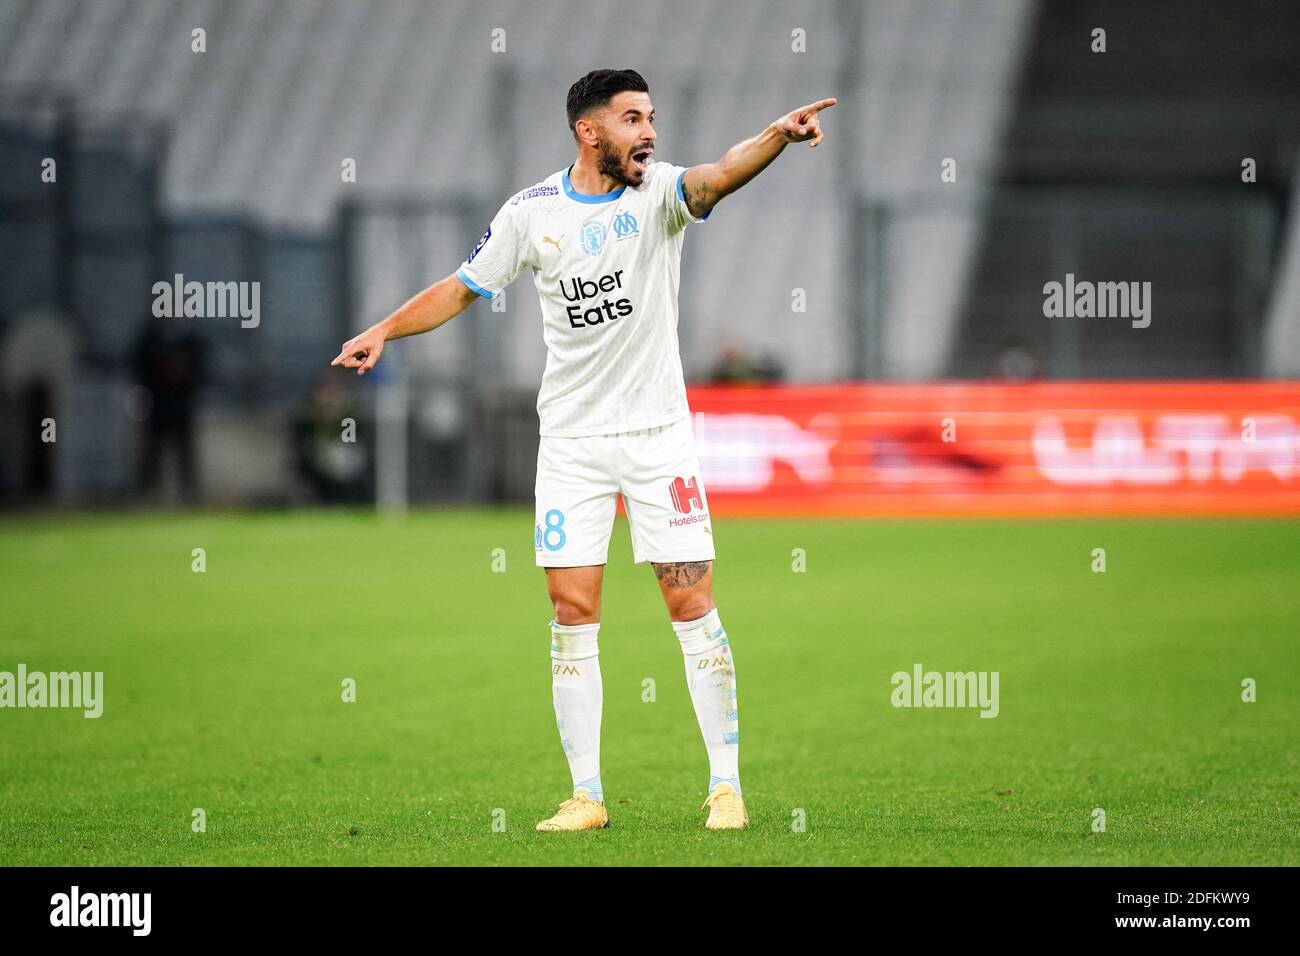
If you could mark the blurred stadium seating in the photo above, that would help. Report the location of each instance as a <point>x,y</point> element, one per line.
<point>226,165</point>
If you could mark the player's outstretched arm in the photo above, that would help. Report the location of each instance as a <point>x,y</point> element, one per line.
<point>424,312</point>
<point>703,186</point>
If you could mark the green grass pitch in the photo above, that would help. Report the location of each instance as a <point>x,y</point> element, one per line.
<point>1119,690</point>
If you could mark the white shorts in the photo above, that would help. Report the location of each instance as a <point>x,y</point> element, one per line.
<point>657,472</point>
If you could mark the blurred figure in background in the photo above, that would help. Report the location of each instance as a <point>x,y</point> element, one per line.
<point>169,368</point>
<point>330,451</point>
<point>737,367</point>
<point>36,406</point>
<point>1016,362</point>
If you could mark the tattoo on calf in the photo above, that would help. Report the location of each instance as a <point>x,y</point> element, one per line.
<point>681,574</point>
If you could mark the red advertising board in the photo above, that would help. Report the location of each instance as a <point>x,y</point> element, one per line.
<point>975,448</point>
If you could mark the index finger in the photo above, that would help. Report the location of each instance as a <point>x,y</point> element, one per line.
<point>344,353</point>
<point>813,108</point>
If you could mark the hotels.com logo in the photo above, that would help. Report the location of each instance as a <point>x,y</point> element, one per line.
<point>685,493</point>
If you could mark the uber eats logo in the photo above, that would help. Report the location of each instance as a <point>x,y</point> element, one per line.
<point>588,312</point>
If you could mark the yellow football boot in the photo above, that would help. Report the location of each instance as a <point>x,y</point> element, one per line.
<point>726,809</point>
<point>579,812</point>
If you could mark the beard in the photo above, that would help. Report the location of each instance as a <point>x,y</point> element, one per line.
<point>612,164</point>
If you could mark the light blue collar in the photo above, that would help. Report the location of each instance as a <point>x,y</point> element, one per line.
<point>583,197</point>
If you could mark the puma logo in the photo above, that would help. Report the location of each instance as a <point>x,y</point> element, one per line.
<point>554,242</point>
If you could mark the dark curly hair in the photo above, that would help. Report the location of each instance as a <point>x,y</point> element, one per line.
<point>597,88</point>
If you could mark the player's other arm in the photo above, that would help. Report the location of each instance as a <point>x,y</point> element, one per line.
<point>424,312</point>
<point>704,186</point>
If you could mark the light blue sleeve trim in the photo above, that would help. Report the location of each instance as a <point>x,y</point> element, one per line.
<point>474,286</point>
<point>682,196</point>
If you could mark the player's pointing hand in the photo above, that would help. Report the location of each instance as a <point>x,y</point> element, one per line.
<point>802,125</point>
<point>362,352</point>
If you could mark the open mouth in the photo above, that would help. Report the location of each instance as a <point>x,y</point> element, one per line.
<point>641,158</point>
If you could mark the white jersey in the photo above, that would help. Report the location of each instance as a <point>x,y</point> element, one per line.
<point>606,270</point>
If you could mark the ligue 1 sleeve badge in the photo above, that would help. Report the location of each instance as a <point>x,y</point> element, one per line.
<point>475,251</point>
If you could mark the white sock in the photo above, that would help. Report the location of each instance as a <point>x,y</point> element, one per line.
<point>711,679</point>
<point>576,691</point>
